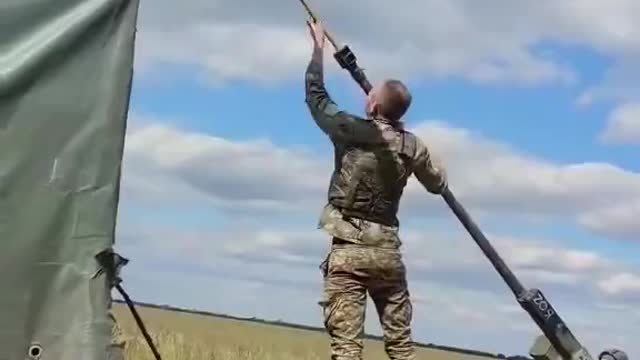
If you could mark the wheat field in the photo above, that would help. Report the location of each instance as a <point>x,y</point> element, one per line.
<point>184,336</point>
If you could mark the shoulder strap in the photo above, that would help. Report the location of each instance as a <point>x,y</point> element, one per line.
<point>408,144</point>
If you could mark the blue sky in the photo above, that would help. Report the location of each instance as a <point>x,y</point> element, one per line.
<point>225,172</point>
<point>533,119</point>
<point>543,122</point>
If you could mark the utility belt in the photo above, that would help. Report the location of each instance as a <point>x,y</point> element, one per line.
<point>348,214</point>
<point>346,230</point>
<point>338,241</point>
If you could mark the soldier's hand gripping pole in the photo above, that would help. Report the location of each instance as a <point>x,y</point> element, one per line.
<point>557,343</point>
<point>344,56</point>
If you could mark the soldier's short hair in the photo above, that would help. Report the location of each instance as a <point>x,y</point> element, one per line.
<point>395,100</point>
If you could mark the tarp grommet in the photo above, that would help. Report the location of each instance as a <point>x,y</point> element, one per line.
<point>35,351</point>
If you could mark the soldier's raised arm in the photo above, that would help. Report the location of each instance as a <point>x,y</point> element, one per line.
<point>431,175</point>
<point>337,124</point>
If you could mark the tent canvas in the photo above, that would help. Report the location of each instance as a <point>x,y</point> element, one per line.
<point>65,80</point>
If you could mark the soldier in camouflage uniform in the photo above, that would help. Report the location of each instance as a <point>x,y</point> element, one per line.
<point>374,157</point>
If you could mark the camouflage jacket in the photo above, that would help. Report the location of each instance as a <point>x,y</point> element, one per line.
<point>373,161</point>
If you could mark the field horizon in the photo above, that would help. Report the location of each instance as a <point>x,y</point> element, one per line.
<point>171,324</point>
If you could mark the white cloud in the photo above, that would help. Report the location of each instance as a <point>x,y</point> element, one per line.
<point>226,51</point>
<point>485,175</point>
<point>452,283</point>
<point>491,42</point>
<point>443,257</point>
<point>620,82</point>
<point>621,283</point>
<point>623,125</point>
<point>493,174</point>
<point>276,266</point>
<point>619,221</point>
<point>442,314</point>
<point>251,174</point>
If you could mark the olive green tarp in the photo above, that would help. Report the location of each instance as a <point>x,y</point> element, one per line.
<point>65,80</point>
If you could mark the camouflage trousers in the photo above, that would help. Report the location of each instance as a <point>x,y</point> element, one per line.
<point>350,272</point>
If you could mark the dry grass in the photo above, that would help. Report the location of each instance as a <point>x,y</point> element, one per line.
<point>181,336</point>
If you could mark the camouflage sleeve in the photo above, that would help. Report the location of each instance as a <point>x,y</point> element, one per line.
<point>337,124</point>
<point>431,175</point>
